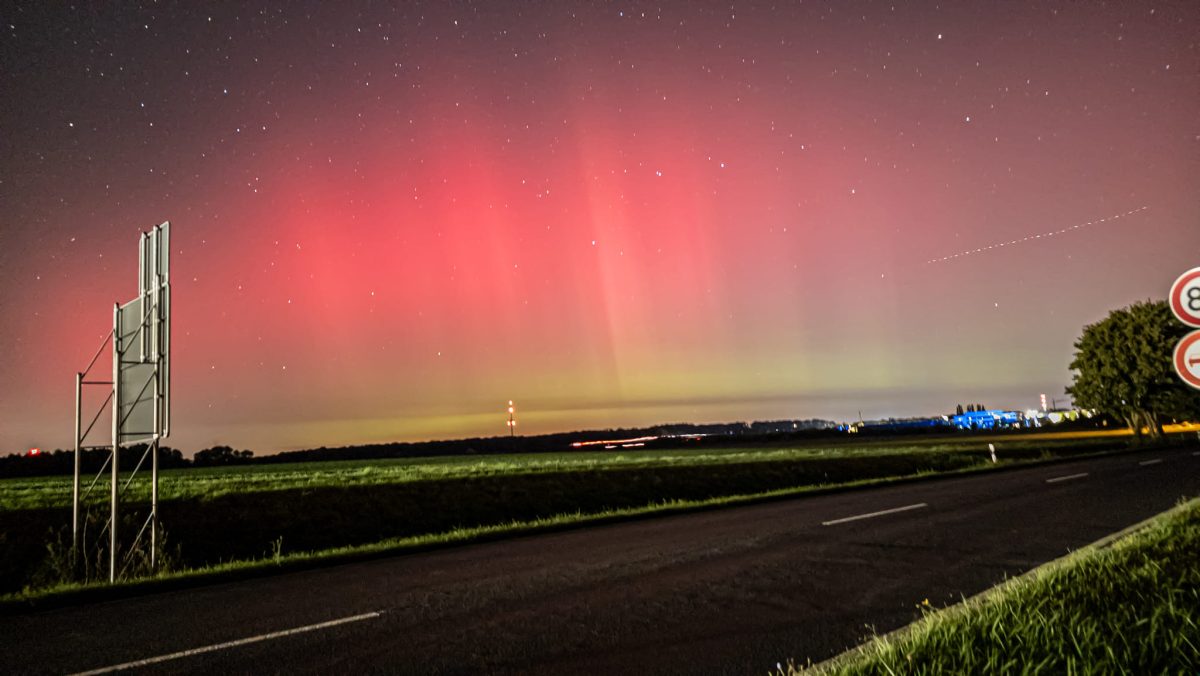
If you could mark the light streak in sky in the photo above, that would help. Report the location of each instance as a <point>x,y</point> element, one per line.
<point>1029,238</point>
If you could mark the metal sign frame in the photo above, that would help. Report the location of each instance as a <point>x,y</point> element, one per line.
<point>140,395</point>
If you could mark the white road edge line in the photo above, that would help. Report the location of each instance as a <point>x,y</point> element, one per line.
<point>1150,462</point>
<point>906,508</point>
<point>1066,478</point>
<point>229,644</point>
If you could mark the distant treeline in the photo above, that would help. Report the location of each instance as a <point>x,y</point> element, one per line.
<point>92,460</point>
<point>675,434</point>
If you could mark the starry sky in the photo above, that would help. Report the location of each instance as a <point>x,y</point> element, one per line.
<point>388,220</point>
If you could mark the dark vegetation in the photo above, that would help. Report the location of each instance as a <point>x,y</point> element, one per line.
<point>63,461</point>
<point>1122,367</point>
<point>211,529</point>
<point>717,434</point>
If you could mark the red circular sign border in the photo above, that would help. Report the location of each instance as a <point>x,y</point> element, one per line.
<point>1176,298</point>
<point>1180,352</point>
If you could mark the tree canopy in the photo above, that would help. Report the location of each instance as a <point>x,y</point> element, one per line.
<point>221,455</point>
<point>1122,367</point>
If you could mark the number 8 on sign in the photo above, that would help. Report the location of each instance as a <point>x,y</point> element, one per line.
<point>1185,298</point>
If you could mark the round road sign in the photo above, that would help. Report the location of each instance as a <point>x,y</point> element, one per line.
<point>1187,359</point>
<point>1185,297</point>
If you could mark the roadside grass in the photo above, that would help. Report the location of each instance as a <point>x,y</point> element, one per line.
<point>263,552</point>
<point>1129,606</point>
<point>278,561</point>
<point>241,525</point>
<point>212,482</point>
<point>275,560</point>
<point>262,514</point>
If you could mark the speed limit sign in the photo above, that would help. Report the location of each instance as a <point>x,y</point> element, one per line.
<point>1185,297</point>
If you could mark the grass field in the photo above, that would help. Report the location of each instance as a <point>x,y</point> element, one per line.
<point>262,512</point>
<point>1129,608</point>
<point>55,491</point>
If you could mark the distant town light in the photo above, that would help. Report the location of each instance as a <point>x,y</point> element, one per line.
<point>627,443</point>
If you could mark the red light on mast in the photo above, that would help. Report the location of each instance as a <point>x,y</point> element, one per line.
<point>35,451</point>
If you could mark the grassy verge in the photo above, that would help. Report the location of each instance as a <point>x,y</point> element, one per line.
<point>1130,605</point>
<point>268,560</point>
<point>215,482</point>
<point>217,527</point>
<point>244,568</point>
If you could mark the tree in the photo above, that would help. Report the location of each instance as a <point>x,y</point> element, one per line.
<point>221,455</point>
<point>1122,367</point>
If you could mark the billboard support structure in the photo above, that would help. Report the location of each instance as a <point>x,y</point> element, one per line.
<point>140,402</point>
<point>114,521</point>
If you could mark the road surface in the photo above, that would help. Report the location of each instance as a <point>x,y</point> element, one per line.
<point>727,591</point>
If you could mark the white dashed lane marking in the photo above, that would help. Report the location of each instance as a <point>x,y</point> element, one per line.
<point>905,508</point>
<point>230,644</point>
<point>1066,478</point>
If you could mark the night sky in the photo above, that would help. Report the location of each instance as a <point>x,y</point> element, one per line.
<point>387,222</point>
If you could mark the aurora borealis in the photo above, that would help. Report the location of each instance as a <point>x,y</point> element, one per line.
<point>390,220</point>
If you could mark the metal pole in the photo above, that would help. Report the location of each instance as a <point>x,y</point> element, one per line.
<point>75,483</point>
<point>116,446</point>
<point>154,508</point>
<point>157,354</point>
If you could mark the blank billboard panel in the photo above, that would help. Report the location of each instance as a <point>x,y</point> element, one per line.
<point>137,404</point>
<point>143,346</point>
<point>136,373</point>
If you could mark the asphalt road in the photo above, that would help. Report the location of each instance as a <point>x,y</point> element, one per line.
<point>727,591</point>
